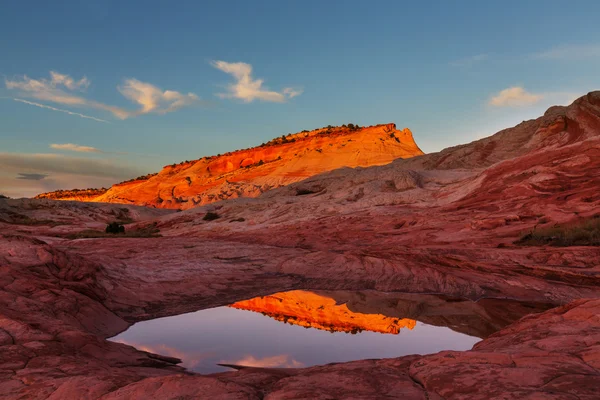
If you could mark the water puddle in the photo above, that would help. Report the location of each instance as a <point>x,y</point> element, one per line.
<point>305,328</point>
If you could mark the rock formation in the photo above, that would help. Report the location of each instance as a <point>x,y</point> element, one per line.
<point>443,224</point>
<point>248,173</point>
<point>313,310</point>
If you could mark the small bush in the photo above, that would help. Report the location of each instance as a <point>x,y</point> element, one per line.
<point>114,228</point>
<point>211,216</point>
<point>148,231</point>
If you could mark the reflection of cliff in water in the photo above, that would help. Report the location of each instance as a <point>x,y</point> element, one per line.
<point>354,311</point>
<point>320,311</point>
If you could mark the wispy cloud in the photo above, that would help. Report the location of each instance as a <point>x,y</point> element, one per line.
<point>248,89</point>
<point>31,177</point>
<point>470,61</point>
<point>291,92</point>
<point>63,89</point>
<point>60,110</point>
<point>68,82</point>
<point>515,96</point>
<point>279,361</point>
<point>60,163</point>
<point>154,100</point>
<point>569,52</point>
<point>75,147</point>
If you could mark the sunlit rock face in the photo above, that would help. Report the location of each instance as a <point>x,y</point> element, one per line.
<point>250,172</point>
<point>312,310</point>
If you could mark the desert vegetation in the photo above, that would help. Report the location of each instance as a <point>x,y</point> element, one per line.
<point>114,228</point>
<point>142,177</point>
<point>211,216</point>
<point>66,193</point>
<point>148,231</point>
<point>584,232</point>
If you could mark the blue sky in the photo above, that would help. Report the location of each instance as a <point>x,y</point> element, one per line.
<point>167,82</point>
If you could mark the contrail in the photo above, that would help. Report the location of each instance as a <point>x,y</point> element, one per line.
<point>61,110</point>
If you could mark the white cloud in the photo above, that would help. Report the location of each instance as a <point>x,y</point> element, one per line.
<point>68,82</point>
<point>291,92</point>
<point>60,89</point>
<point>75,147</point>
<point>59,109</point>
<point>469,61</point>
<point>152,99</point>
<point>49,89</point>
<point>248,89</point>
<point>514,97</point>
<point>569,52</point>
<point>278,361</point>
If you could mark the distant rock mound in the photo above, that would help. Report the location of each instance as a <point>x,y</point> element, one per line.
<point>558,127</point>
<point>74,194</point>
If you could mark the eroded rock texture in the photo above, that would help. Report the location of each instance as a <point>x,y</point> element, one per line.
<point>441,224</point>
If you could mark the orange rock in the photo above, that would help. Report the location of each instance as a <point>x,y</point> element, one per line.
<point>248,173</point>
<point>312,310</point>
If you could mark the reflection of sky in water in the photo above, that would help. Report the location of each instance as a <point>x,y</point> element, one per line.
<point>226,335</point>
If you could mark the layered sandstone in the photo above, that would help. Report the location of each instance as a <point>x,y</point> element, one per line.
<point>250,172</point>
<point>443,224</point>
<point>313,310</point>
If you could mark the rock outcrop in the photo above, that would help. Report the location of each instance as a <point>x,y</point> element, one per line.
<point>443,224</point>
<point>313,310</point>
<point>248,173</point>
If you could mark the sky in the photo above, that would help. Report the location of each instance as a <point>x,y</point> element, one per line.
<point>96,92</point>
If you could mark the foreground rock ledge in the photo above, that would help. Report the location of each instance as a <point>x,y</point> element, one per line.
<point>57,308</point>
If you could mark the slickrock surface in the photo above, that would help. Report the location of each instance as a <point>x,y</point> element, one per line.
<point>440,224</point>
<point>250,172</point>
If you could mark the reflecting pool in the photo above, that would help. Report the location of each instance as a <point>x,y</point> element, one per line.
<point>305,328</point>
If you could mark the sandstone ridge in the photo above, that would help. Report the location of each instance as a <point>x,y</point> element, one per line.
<point>250,172</point>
